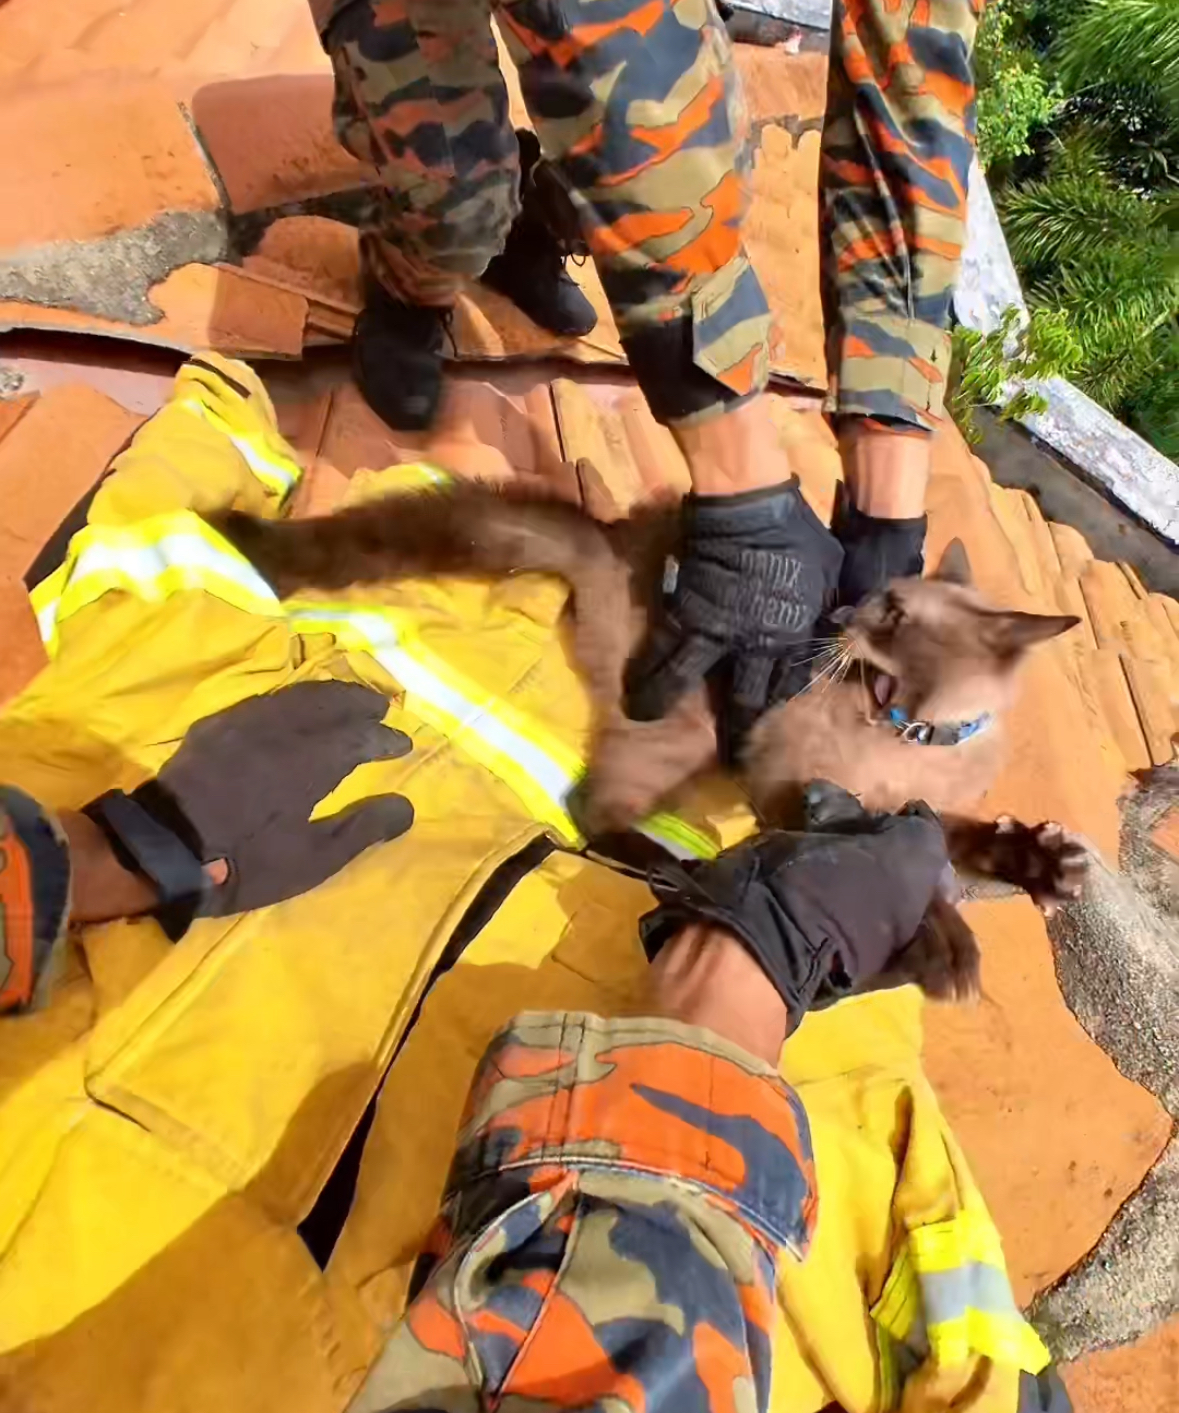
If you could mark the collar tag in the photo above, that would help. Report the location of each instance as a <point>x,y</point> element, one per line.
<point>928,733</point>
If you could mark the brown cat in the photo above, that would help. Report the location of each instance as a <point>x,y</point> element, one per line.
<point>907,704</point>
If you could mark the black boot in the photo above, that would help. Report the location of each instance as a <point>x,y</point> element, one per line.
<point>397,358</point>
<point>531,271</point>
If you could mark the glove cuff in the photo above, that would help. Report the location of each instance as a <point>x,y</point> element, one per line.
<point>876,550</point>
<point>742,511</point>
<point>796,970</point>
<point>144,844</point>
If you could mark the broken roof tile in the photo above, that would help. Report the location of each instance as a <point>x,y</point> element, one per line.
<point>488,326</point>
<point>48,461</point>
<point>91,158</point>
<point>316,255</point>
<point>201,306</point>
<point>292,152</point>
<point>24,653</point>
<point>12,410</point>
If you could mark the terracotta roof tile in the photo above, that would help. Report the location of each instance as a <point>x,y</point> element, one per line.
<point>292,152</point>
<point>201,306</point>
<point>48,462</point>
<point>255,36</point>
<point>23,655</point>
<point>313,254</point>
<point>1056,1138</point>
<point>1071,599</point>
<point>1150,689</point>
<point>92,158</point>
<point>113,150</point>
<point>12,410</point>
<point>1105,676</point>
<point>1072,549</point>
<point>483,430</point>
<point>1142,1377</point>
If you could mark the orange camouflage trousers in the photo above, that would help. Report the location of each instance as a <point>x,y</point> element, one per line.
<point>898,140</point>
<point>639,111</point>
<point>620,1195</point>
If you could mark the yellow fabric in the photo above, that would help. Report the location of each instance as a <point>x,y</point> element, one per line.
<point>170,1117</point>
<point>566,939</point>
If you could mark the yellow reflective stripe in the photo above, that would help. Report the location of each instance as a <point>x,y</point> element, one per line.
<point>277,472</point>
<point>1005,1339</point>
<point>898,1309</point>
<point>888,1366</point>
<point>46,600</point>
<point>169,553</point>
<point>487,729</point>
<point>152,559</point>
<point>678,837</point>
<point>948,1295</point>
<point>412,476</point>
<point>944,1246</point>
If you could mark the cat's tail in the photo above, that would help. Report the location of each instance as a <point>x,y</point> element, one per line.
<point>466,528</point>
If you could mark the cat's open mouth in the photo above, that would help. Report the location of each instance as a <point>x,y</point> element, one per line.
<point>883,686</point>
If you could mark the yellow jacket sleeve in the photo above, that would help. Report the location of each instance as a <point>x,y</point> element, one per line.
<point>213,444</point>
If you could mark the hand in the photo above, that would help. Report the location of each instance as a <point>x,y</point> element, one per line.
<point>241,789</point>
<point>756,569</point>
<point>826,906</point>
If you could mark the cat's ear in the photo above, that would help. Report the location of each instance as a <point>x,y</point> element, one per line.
<point>1010,634</point>
<point>954,565</point>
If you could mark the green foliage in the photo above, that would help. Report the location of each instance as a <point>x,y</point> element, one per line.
<point>1088,192</point>
<point>1060,220</point>
<point>1154,405</point>
<point>1014,97</point>
<point>1122,42</point>
<point>994,370</point>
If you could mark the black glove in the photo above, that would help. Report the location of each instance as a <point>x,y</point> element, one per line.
<point>241,788</point>
<point>820,909</point>
<point>755,572</point>
<point>875,551</point>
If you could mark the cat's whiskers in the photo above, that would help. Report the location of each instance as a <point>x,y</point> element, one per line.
<point>832,671</point>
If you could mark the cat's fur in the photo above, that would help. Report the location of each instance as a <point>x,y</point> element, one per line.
<point>933,647</point>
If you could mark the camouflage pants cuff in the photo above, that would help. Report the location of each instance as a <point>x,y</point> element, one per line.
<point>643,1095</point>
<point>884,365</point>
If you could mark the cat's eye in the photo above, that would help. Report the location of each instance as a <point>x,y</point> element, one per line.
<point>894,609</point>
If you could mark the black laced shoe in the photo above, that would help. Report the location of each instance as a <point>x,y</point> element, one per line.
<point>531,270</point>
<point>397,358</point>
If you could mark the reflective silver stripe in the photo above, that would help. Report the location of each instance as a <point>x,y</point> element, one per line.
<point>178,551</point>
<point>278,474</point>
<point>948,1294</point>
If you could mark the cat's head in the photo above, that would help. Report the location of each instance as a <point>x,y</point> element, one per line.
<point>940,652</point>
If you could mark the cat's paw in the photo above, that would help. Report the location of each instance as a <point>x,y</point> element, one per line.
<point>1044,859</point>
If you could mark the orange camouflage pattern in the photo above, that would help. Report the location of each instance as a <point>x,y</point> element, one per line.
<point>896,154</point>
<point>639,112</point>
<point>16,919</point>
<point>621,1193</point>
<point>34,898</point>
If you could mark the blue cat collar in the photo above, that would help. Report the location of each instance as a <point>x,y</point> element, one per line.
<point>928,733</point>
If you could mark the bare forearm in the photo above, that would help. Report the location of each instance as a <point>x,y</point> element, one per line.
<point>737,451</point>
<point>705,977</point>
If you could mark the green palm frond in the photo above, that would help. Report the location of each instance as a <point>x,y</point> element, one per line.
<point>1061,219</point>
<point>1122,41</point>
<point>1153,405</point>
